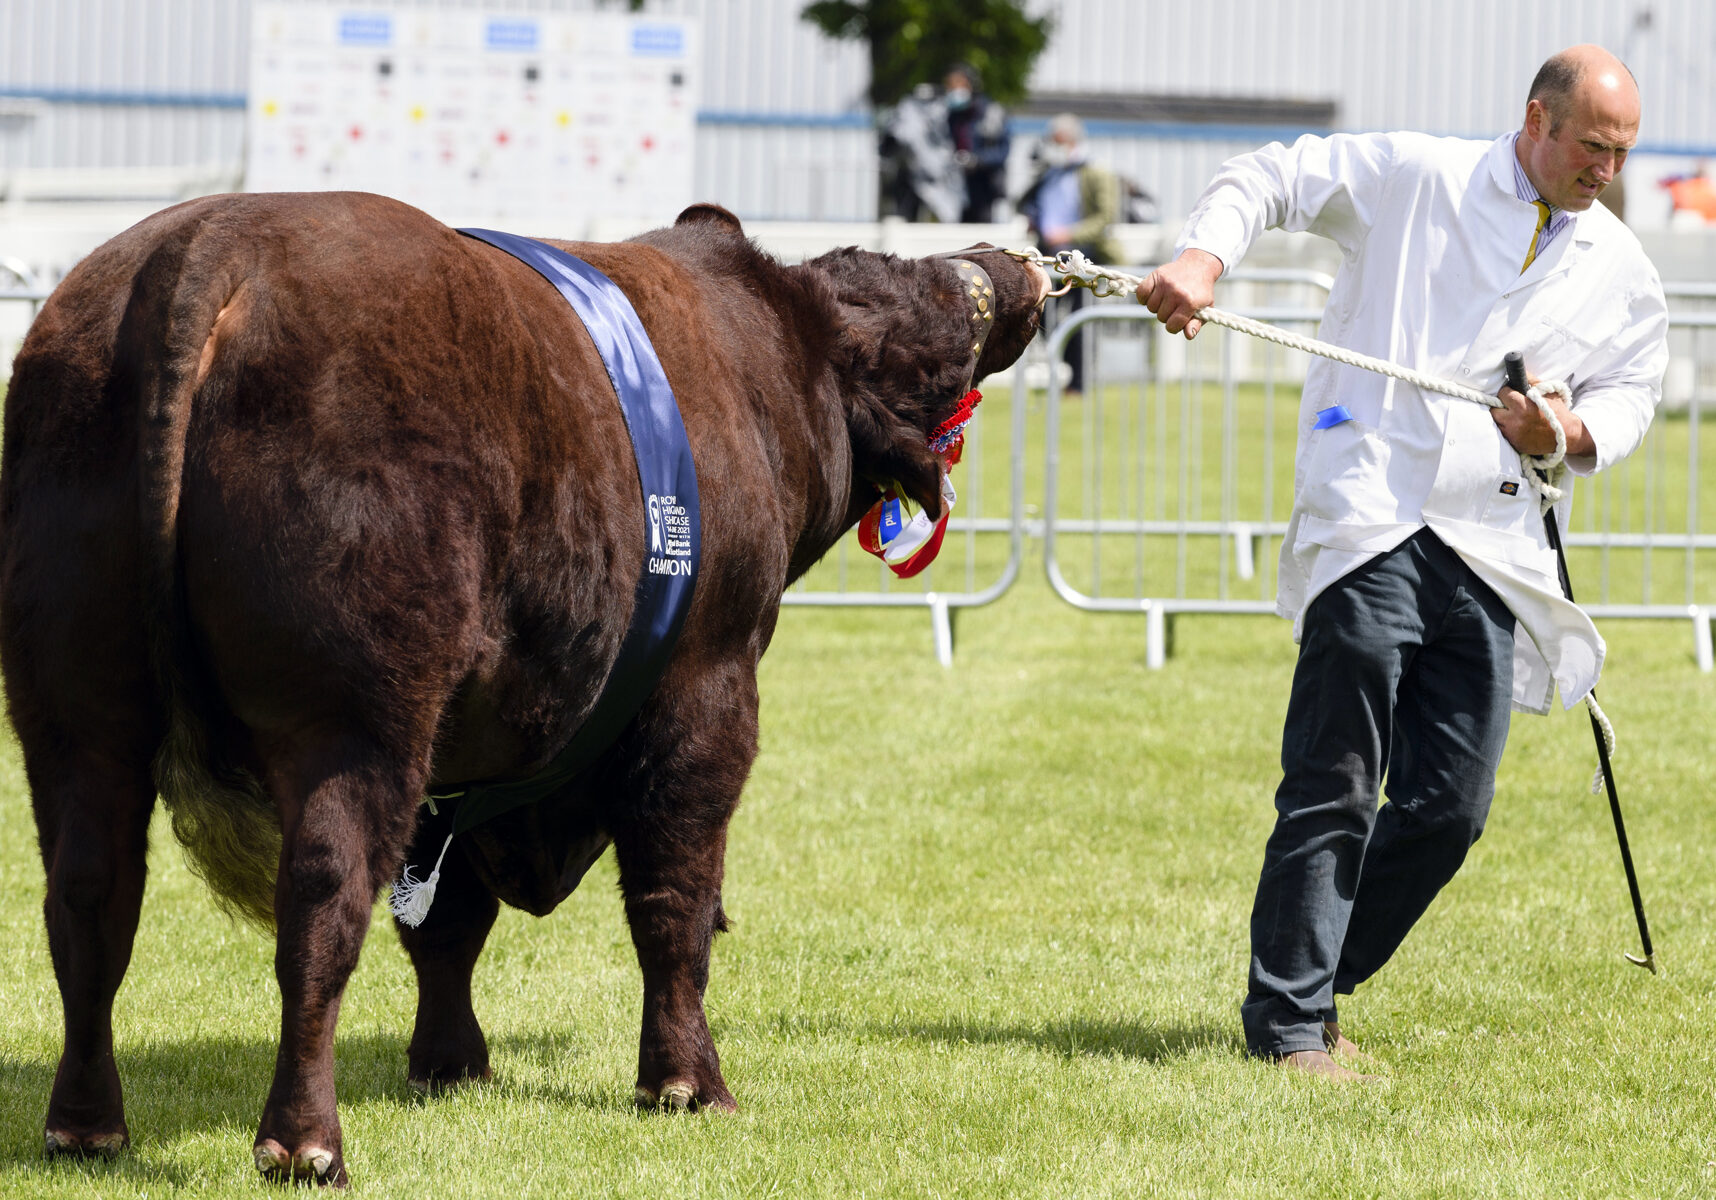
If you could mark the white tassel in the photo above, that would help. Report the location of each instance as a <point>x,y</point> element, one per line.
<point>411,898</point>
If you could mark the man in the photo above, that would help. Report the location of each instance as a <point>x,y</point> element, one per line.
<point>1415,564</point>
<point>1070,206</point>
<point>978,128</point>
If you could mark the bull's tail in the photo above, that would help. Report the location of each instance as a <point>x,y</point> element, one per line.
<point>221,814</point>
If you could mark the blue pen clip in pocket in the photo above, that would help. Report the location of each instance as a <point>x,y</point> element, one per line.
<point>1333,415</point>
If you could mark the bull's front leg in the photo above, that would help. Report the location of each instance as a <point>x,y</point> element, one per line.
<point>332,865</point>
<point>671,852</point>
<point>673,902</point>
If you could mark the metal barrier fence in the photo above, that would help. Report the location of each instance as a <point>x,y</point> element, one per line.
<point>1168,487</point>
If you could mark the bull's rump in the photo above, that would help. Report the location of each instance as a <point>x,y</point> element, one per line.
<point>384,462</point>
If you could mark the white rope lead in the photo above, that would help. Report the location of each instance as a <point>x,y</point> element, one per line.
<point>1602,719</point>
<point>1543,471</point>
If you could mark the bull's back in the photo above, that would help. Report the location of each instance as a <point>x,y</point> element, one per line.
<point>385,455</point>
<point>418,440</point>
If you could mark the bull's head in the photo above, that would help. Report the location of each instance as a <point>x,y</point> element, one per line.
<point>915,335</point>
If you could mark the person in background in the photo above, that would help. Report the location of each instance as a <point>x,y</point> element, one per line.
<point>1070,206</point>
<point>978,128</point>
<point>921,179</point>
<point>1416,564</point>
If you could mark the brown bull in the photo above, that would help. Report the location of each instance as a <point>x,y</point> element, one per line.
<point>310,505</point>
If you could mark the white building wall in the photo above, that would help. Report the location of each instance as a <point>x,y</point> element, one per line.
<point>784,123</point>
<point>1455,66</point>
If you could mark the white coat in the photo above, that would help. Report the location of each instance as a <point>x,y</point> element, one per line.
<point>1432,237</point>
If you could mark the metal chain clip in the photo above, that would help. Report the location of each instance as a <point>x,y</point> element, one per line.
<point>1076,270</point>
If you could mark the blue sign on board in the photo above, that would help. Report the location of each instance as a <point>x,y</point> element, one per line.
<point>512,35</point>
<point>659,41</point>
<point>366,29</point>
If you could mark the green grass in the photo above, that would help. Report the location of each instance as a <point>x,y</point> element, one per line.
<point>990,939</point>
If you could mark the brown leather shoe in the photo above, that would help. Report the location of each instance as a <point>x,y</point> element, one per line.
<point>1337,1043</point>
<point>1319,1062</point>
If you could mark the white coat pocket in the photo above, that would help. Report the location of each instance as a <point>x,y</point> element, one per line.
<point>1556,352</point>
<point>1346,469</point>
<point>1512,507</point>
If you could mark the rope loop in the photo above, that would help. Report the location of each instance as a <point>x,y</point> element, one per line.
<point>1602,719</point>
<point>1546,471</point>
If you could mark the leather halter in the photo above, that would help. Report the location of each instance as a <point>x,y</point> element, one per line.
<point>979,291</point>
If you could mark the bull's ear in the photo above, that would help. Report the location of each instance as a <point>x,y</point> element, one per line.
<point>887,448</point>
<point>709,212</point>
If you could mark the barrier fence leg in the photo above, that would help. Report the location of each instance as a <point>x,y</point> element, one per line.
<point>942,618</point>
<point>1244,560</point>
<point>1701,618</point>
<point>1155,637</point>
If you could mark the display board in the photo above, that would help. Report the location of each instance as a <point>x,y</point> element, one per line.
<point>537,123</point>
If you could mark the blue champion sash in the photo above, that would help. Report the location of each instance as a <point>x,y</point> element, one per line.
<point>673,533</point>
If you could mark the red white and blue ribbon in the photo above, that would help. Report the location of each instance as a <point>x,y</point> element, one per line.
<point>907,541</point>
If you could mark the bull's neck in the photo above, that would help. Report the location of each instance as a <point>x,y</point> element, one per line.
<point>822,458</point>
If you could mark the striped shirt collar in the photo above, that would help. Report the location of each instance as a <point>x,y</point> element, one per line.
<point>1559,218</point>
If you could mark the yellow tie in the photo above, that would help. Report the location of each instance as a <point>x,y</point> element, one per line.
<point>1542,220</point>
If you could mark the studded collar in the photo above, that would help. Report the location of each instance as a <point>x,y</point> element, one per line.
<point>979,292</point>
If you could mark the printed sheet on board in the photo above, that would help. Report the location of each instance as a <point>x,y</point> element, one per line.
<point>533,122</point>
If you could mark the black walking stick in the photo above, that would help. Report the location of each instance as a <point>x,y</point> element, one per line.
<point>1515,366</point>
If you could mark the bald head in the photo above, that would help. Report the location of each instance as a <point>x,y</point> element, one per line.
<point>1581,120</point>
<point>1561,79</point>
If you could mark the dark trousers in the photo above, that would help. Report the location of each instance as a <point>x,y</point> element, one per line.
<point>1404,664</point>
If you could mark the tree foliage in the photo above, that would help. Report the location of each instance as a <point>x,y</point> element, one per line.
<point>915,41</point>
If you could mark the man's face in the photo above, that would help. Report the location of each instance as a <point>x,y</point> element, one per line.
<point>1571,166</point>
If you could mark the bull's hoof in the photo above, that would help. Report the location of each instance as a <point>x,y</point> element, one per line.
<point>438,1082</point>
<point>308,1164</point>
<point>680,1095</point>
<point>57,1143</point>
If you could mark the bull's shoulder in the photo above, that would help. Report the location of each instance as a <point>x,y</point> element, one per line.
<point>705,249</point>
<point>707,293</point>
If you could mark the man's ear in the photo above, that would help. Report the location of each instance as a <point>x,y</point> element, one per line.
<point>1536,120</point>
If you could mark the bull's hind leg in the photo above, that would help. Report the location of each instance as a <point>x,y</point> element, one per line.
<point>447,1044</point>
<point>78,690</point>
<point>342,803</point>
<point>92,818</point>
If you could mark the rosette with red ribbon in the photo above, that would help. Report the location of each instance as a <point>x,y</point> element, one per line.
<point>907,541</point>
